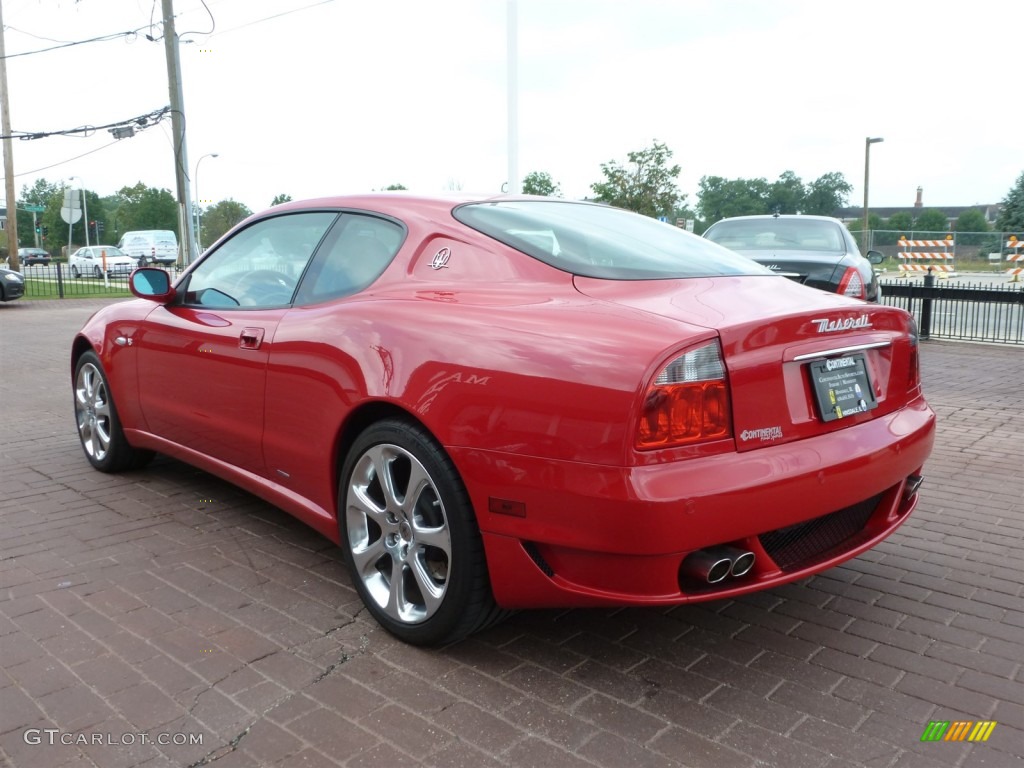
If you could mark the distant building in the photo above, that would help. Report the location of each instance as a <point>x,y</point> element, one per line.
<point>953,212</point>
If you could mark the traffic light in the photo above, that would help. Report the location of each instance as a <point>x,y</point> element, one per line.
<point>46,231</point>
<point>39,228</point>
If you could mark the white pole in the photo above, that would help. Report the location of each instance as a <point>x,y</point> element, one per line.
<point>514,186</point>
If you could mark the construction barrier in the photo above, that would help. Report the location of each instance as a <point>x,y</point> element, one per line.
<point>1015,253</point>
<point>911,260</point>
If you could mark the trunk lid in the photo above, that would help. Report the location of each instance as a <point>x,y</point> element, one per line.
<point>817,269</point>
<point>775,335</point>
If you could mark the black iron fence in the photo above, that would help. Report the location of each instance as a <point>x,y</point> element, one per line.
<point>56,281</point>
<point>992,313</point>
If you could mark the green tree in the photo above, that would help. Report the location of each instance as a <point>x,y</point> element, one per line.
<point>786,195</point>
<point>931,222</point>
<point>42,193</point>
<point>395,188</point>
<point>720,198</point>
<point>901,223</point>
<point>143,207</point>
<point>540,183</point>
<point>888,231</point>
<point>647,184</point>
<point>1011,212</point>
<point>219,218</point>
<point>968,226</point>
<point>279,199</point>
<point>826,194</point>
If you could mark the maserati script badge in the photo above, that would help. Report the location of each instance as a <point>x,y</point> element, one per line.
<point>824,325</point>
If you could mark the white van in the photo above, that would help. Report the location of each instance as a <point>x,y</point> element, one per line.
<point>150,246</point>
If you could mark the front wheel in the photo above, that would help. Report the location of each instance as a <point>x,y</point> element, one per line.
<point>74,272</point>
<point>98,272</point>
<point>99,428</point>
<point>410,538</point>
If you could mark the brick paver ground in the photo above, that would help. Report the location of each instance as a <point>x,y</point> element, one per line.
<point>167,603</point>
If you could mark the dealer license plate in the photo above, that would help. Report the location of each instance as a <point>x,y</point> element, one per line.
<point>842,386</point>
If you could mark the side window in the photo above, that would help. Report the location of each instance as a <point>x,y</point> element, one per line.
<point>260,266</point>
<point>354,254</point>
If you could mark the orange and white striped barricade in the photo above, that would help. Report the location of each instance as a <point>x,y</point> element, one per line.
<point>1015,255</point>
<point>914,261</point>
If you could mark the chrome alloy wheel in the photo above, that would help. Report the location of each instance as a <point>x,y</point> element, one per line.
<point>398,533</point>
<point>93,411</point>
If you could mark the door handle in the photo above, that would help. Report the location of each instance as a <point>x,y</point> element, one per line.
<point>250,338</point>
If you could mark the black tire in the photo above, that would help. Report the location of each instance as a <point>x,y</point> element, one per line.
<point>97,271</point>
<point>74,272</point>
<point>99,428</point>
<point>399,549</point>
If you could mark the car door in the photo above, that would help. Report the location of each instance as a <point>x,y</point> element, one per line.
<point>203,358</point>
<point>319,355</point>
<point>81,261</point>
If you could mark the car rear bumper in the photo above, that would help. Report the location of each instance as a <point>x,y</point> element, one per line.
<point>559,533</point>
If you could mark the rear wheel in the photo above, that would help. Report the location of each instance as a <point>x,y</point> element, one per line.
<point>410,537</point>
<point>97,271</point>
<point>99,428</point>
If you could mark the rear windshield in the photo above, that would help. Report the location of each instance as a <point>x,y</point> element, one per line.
<point>775,234</point>
<point>599,241</point>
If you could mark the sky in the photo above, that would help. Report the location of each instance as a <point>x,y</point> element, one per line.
<point>321,97</point>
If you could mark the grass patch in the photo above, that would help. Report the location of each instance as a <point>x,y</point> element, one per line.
<point>74,289</point>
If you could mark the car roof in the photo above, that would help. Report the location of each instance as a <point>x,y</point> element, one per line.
<point>404,201</point>
<point>762,216</point>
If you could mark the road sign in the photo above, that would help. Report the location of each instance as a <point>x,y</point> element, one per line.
<point>33,208</point>
<point>71,215</point>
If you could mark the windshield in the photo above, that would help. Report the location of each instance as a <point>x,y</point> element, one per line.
<point>603,242</point>
<point>772,234</point>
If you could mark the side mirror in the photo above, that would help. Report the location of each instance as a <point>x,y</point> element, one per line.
<point>151,283</point>
<point>876,257</point>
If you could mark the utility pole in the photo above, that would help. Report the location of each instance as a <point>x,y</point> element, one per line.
<point>5,126</point>
<point>512,95</point>
<point>188,242</point>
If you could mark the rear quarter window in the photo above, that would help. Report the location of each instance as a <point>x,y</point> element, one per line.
<point>603,242</point>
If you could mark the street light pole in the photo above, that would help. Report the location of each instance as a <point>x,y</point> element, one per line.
<point>867,167</point>
<point>85,211</point>
<point>199,203</point>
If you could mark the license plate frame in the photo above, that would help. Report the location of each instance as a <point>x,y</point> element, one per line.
<point>842,386</point>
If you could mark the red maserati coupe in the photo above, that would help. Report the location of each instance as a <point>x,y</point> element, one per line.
<point>499,403</point>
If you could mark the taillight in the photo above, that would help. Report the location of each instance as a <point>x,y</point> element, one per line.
<point>852,284</point>
<point>687,403</point>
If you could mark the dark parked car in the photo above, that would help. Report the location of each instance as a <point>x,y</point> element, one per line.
<point>500,403</point>
<point>30,256</point>
<point>12,285</point>
<point>813,250</point>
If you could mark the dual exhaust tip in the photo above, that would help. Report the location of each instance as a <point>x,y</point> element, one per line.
<point>716,564</point>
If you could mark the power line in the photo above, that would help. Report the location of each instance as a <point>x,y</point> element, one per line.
<point>275,16</point>
<point>68,160</point>
<point>100,39</point>
<point>122,126</point>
